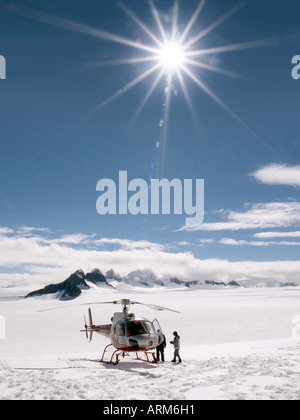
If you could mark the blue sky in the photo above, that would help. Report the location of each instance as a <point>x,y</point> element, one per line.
<point>54,150</point>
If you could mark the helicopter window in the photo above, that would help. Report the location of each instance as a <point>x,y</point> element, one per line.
<point>136,328</point>
<point>149,328</point>
<point>120,329</point>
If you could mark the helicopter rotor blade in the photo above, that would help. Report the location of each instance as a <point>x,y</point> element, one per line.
<point>156,307</point>
<point>115,302</point>
<point>79,304</point>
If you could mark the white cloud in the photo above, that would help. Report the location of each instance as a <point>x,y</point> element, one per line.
<point>34,262</point>
<point>75,239</point>
<point>29,229</point>
<point>278,174</point>
<point>128,244</point>
<point>270,235</point>
<point>234,242</point>
<point>207,241</point>
<point>258,216</point>
<point>5,231</point>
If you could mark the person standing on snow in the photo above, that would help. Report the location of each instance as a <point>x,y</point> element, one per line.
<point>176,344</point>
<point>160,350</point>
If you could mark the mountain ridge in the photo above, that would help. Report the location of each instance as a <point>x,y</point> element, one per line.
<point>72,287</point>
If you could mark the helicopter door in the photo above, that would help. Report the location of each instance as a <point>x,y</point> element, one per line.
<point>156,326</point>
<point>119,331</point>
<point>158,331</point>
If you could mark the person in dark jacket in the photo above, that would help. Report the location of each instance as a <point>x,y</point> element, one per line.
<point>160,350</point>
<point>176,344</point>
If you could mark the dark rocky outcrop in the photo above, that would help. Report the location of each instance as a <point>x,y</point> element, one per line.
<point>96,277</point>
<point>215,283</point>
<point>233,284</point>
<point>71,288</point>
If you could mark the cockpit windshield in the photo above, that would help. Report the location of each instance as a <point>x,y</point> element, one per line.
<point>137,328</point>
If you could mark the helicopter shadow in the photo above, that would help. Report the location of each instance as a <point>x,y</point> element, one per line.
<point>141,369</point>
<point>133,366</point>
<point>130,366</point>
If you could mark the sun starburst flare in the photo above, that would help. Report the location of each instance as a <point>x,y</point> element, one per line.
<point>171,55</point>
<point>174,55</point>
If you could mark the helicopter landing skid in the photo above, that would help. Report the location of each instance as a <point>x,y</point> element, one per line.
<point>117,354</point>
<point>148,357</point>
<point>115,357</point>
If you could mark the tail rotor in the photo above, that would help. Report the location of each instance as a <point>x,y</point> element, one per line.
<point>86,328</point>
<point>89,329</point>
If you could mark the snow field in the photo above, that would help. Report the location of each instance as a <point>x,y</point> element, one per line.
<point>236,344</point>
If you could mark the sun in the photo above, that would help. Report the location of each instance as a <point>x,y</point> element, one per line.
<point>171,56</point>
<point>174,56</point>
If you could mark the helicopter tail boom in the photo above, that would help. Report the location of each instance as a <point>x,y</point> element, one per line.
<point>99,329</point>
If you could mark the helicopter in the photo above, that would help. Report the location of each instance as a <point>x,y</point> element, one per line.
<point>128,333</point>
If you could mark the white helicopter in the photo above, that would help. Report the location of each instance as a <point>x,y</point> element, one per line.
<point>127,333</point>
